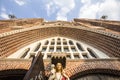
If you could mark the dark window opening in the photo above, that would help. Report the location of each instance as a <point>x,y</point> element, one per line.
<point>62,60</point>
<point>85,56</point>
<point>79,47</point>
<point>64,43</point>
<point>73,49</point>
<point>52,43</point>
<point>68,56</point>
<point>58,43</point>
<point>25,52</point>
<point>49,56</point>
<point>92,53</point>
<point>58,39</point>
<point>51,49</point>
<point>46,43</point>
<point>58,49</point>
<point>70,42</point>
<point>44,49</point>
<point>53,39</point>
<point>64,40</point>
<point>66,49</point>
<point>76,56</point>
<point>37,48</point>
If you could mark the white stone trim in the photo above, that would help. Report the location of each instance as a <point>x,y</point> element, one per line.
<point>32,46</point>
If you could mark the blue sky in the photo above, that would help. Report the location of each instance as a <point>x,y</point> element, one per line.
<point>60,9</point>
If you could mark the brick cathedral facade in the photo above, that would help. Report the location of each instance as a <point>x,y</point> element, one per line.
<point>102,36</point>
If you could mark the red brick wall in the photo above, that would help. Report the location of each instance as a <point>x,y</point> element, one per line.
<point>112,25</point>
<point>106,42</point>
<point>81,67</point>
<point>9,64</point>
<point>12,43</point>
<point>19,22</point>
<point>73,67</point>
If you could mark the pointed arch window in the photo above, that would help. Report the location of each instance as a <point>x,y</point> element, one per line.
<point>79,47</point>
<point>70,42</point>
<point>25,52</point>
<point>47,42</point>
<point>92,53</point>
<point>37,47</point>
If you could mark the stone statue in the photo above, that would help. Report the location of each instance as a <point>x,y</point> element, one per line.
<point>57,73</point>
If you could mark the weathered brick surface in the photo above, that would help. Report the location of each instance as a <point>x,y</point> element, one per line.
<point>93,65</point>
<point>10,64</point>
<point>73,67</point>
<point>19,22</point>
<point>8,25</point>
<point>112,25</point>
<point>106,42</point>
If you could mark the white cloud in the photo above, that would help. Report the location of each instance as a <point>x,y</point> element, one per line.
<point>88,10</point>
<point>4,16</point>
<point>111,9</point>
<point>64,18</point>
<point>86,1</point>
<point>64,6</point>
<point>62,14</point>
<point>51,8</point>
<point>96,10</point>
<point>3,13</point>
<point>20,2</point>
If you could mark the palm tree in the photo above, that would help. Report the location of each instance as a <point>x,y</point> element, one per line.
<point>12,16</point>
<point>104,17</point>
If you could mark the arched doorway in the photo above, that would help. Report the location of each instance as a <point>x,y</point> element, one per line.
<point>12,74</point>
<point>97,74</point>
<point>59,58</point>
<point>98,77</point>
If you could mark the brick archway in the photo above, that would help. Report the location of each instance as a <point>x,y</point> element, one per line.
<point>98,73</point>
<point>94,38</point>
<point>59,58</point>
<point>12,74</point>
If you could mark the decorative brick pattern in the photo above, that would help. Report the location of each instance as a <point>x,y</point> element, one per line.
<point>106,42</point>
<point>108,24</point>
<point>92,65</point>
<point>4,24</point>
<point>73,67</point>
<point>9,64</point>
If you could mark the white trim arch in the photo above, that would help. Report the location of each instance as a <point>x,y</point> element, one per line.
<point>74,49</point>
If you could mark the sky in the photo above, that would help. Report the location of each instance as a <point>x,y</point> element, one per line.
<point>64,10</point>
